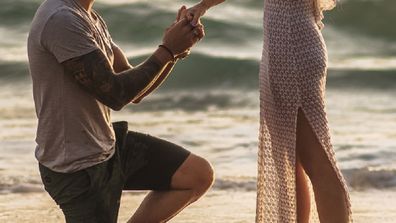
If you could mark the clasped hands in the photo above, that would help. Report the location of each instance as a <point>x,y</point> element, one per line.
<point>184,33</point>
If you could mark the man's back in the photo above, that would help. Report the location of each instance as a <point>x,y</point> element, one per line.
<point>74,129</point>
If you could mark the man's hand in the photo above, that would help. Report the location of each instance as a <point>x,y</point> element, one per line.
<point>182,14</point>
<point>181,35</point>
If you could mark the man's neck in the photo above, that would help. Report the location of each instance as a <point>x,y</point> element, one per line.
<point>86,4</point>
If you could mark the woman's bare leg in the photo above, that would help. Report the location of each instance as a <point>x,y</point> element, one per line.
<point>303,196</point>
<point>329,193</point>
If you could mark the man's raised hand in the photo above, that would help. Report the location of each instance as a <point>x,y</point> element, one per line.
<point>181,35</point>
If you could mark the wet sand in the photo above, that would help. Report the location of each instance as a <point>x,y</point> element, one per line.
<point>217,207</point>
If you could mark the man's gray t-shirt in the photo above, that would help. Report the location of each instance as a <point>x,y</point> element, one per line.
<point>74,129</point>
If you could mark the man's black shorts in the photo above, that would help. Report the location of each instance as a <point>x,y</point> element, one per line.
<point>92,195</point>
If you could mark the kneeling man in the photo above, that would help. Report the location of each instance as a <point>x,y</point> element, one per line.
<point>86,161</point>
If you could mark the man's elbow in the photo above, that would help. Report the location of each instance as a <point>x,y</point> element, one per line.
<point>137,101</point>
<point>115,105</point>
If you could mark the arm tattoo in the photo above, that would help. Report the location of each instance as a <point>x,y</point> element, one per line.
<point>94,73</point>
<point>158,81</point>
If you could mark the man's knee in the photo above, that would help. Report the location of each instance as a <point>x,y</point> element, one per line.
<point>195,174</point>
<point>205,177</point>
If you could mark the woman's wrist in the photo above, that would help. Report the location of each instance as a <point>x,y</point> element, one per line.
<point>210,3</point>
<point>206,4</point>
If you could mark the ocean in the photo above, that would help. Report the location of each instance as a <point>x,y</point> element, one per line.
<point>210,103</point>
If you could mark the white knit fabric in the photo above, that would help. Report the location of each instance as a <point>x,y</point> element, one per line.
<point>292,76</point>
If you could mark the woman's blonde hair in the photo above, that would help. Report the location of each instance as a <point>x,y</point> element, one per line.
<point>320,6</point>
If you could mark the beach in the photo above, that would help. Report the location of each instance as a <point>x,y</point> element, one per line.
<point>215,207</point>
<point>228,139</point>
<point>210,105</point>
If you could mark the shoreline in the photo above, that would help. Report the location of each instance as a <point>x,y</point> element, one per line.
<point>371,206</point>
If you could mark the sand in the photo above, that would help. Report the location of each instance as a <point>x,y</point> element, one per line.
<point>217,207</point>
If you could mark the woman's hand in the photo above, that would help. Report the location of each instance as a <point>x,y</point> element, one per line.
<point>195,13</point>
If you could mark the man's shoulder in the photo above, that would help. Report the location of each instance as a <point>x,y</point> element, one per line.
<point>57,11</point>
<point>63,16</point>
<point>54,20</point>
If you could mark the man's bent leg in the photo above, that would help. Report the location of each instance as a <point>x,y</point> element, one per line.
<point>175,176</point>
<point>189,183</point>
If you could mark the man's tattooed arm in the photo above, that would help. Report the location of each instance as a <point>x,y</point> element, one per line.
<point>115,90</point>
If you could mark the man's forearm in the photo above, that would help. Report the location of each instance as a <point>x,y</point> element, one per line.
<point>121,64</point>
<point>156,83</point>
<point>94,73</point>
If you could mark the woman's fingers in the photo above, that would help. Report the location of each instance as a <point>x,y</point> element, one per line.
<point>190,15</point>
<point>195,13</point>
<point>196,19</point>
